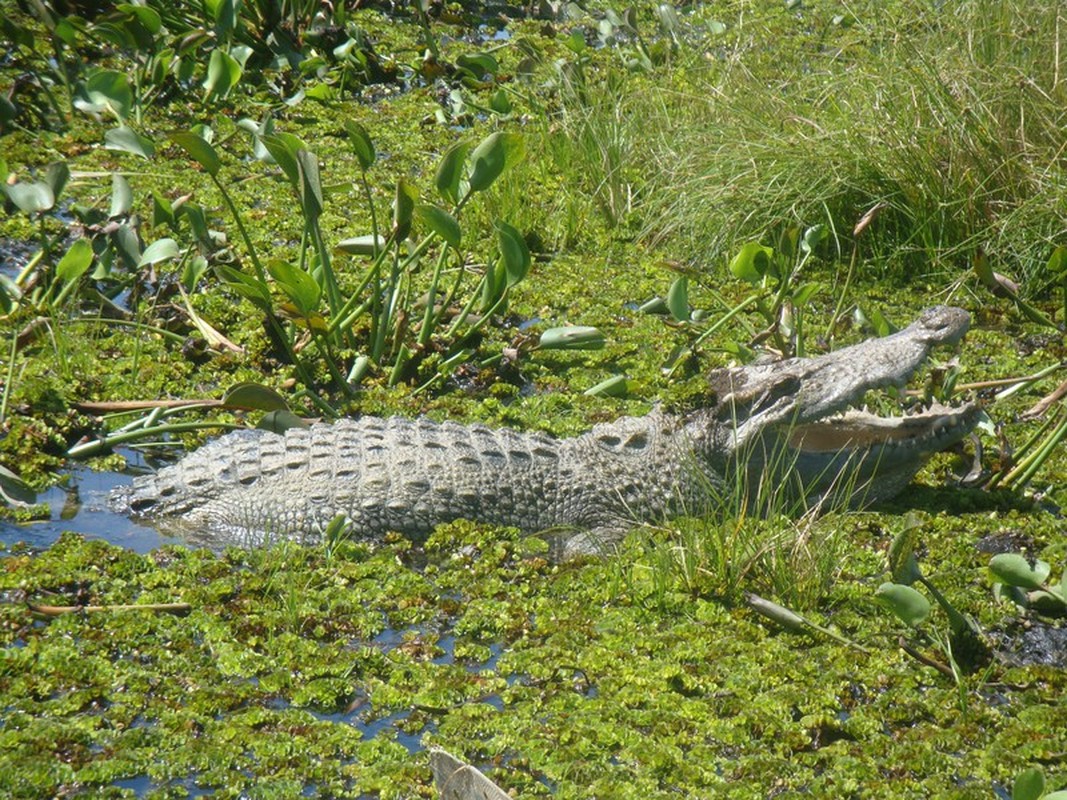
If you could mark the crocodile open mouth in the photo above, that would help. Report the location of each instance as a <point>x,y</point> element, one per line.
<point>926,430</point>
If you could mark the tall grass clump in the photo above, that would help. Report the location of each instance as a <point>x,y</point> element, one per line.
<point>952,122</point>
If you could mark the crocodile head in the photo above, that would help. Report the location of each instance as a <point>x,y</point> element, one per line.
<point>797,418</point>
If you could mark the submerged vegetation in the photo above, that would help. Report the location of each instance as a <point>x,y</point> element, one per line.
<point>219,214</point>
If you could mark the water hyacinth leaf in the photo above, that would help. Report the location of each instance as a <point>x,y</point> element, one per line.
<point>902,564</point>
<point>127,140</point>
<point>615,386</point>
<point>404,208</point>
<point>194,270</point>
<point>500,102</point>
<point>10,294</point>
<point>199,150</point>
<point>514,252</point>
<point>108,90</point>
<point>1014,570</point>
<point>496,153</point>
<point>441,223</point>
<point>361,143</point>
<point>223,14</point>
<point>248,287</point>
<point>572,337</point>
<point>813,236</point>
<point>121,196</point>
<point>75,261</point>
<point>752,262</point>
<point>478,65</point>
<point>146,16</point>
<point>361,245</point>
<point>678,299</point>
<point>311,197</point>
<point>56,176</point>
<point>805,292</point>
<point>125,242</point>
<point>223,73</point>
<point>297,285</point>
<point>162,211</point>
<point>254,396</point>
<point>14,491</point>
<point>1057,262</point>
<point>1029,785</point>
<point>30,198</point>
<point>910,606</point>
<point>283,148</point>
<point>449,176</point>
<point>160,250</point>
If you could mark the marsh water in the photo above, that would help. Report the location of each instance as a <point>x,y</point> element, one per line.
<point>79,504</point>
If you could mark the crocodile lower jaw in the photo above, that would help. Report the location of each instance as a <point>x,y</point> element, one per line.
<point>925,431</point>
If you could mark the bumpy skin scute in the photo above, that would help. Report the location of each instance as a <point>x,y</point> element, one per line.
<point>770,427</point>
<point>382,474</point>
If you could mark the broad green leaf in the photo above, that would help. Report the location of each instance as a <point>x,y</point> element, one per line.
<point>127,140</point>
<point>223,14</point>
<point>572,337</point>
<point>280,420</point>
<point>441,223</point>
<point>299,287</point>
<point>449,175</point>
<point>162,211</point>
<point>241,53</point>
<point>148,17</point>
<point>14,491</point>
<point>616,386</point>
<point>478,65</point>
<point>497,152</point>
<point>254,396</point>
<point>812,238</point>
<point>752,262</point>
<point>361,245</point>
<point>194,270</point>
<point>284,148</point>
<point>248,287</point>
<point>902,564</point>
<point>905,602</point>
<point>1014,570</point>
<point>1057,262</point>
<point>109,90</point>
<point>75,261</point>
<point>500,102</point>
<point>678,299</point>
<point>30,198</point>
<point>199,150</point>
<point>1029,785</point>
<point>10,294</point>
<point>515,253</point>
<point>121,196</point>
<point>803,293</point>
<point>311,196</point>
<point>125,243</point>
<point>361,143</point>
<point>159,250</point>
<point>223,73</point>
<point>56,176</point>
<point>404,208</point>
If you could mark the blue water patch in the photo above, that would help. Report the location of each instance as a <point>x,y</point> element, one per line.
<point>79,504</point>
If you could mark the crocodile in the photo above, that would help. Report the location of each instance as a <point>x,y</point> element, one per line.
<point>788,425</point>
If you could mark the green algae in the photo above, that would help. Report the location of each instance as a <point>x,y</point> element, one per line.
<point>560,676</point>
